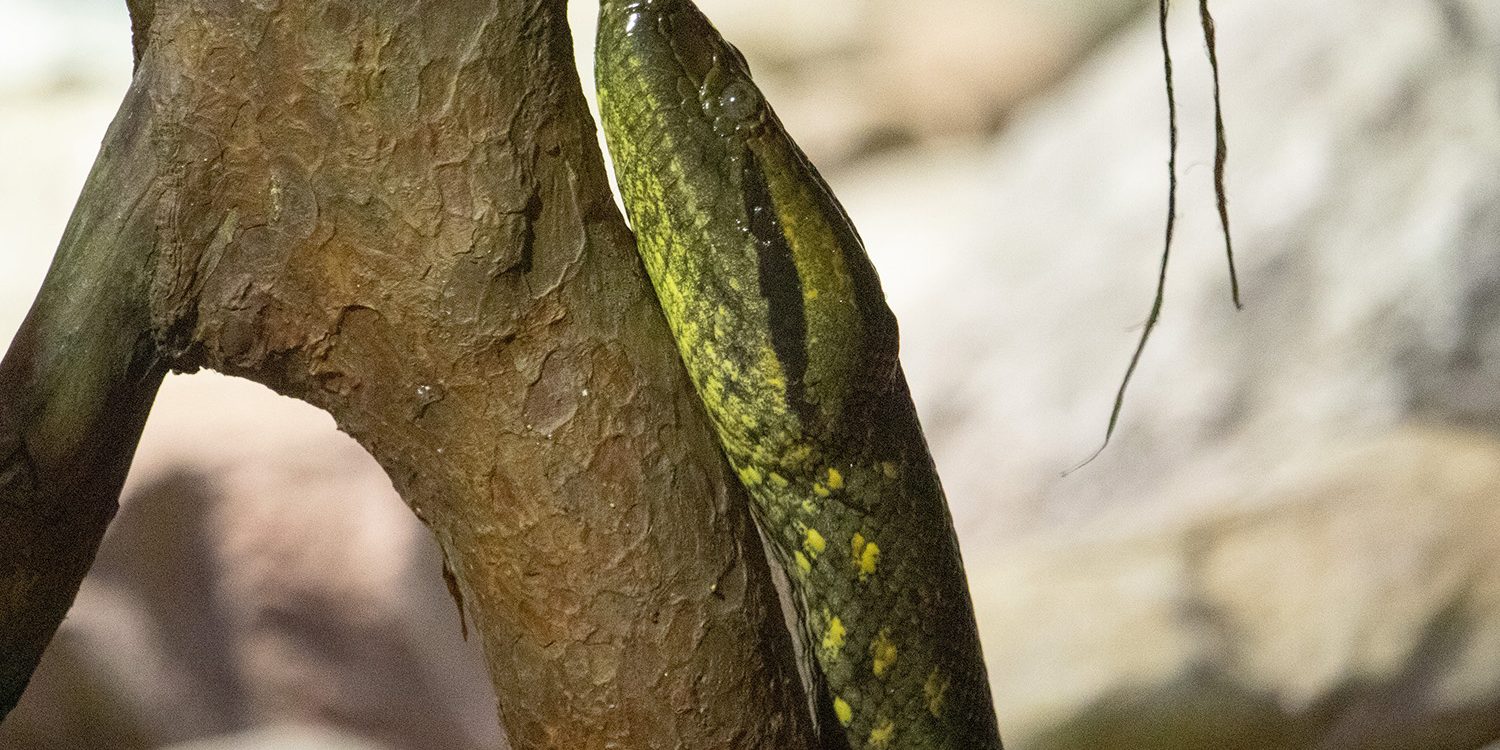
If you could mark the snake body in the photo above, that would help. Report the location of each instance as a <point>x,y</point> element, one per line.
<point>780,319</point>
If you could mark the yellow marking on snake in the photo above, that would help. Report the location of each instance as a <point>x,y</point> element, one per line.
<point>869,558</point>
<point>882,653</point>
<point>935,690</point>
<point>833,637</point>
<point>842,709</point>
<point>814,543</point>
<point>881,735</point>
<point>835,479</point>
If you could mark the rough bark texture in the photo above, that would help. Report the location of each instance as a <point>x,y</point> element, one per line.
<point>396,211</point>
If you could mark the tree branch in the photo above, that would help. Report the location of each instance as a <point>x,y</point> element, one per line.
<point>396,211</point>
<point>75,387</point>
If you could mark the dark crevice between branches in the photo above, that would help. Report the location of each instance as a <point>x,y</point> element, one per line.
<point>1221,156</point>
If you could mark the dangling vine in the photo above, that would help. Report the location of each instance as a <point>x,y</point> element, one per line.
<point>1221,156</point>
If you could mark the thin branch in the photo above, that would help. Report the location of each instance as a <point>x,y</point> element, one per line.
<point>1166,252</point>
<point>1221,150</point>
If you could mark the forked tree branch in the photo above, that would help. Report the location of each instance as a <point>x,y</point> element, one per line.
<point>396,211</point>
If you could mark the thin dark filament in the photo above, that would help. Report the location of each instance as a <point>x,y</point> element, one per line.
<point>1221,150</point>
<point>1166,252</point>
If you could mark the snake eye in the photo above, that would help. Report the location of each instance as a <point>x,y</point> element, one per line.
<point>736,109</point>
<point>739,100</point>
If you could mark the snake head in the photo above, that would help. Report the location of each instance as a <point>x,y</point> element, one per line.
<point>712,74</point>
<point>777,310</point>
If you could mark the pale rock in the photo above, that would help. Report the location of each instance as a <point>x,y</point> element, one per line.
<point>1288,543</point>
<point>282,737</point>
<point>1359,607</point>
<point>852,77</point>
<point>261,571</point>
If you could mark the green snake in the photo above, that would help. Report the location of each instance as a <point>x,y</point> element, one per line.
<point>780,319</point>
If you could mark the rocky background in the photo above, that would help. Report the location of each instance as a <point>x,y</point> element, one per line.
<point>1294,541</point>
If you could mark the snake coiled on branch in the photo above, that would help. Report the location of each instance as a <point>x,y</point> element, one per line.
<point>779,316</point>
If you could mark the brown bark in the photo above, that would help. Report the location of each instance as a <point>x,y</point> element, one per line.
<point>396,211</point>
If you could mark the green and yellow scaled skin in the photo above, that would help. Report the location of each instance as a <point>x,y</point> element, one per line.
<point>780,319</point>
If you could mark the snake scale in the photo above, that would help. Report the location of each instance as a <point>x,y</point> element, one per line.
<point>780,319</point>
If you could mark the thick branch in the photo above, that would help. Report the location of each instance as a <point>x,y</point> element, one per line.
<point>75,387</point>
<point>395,210</point>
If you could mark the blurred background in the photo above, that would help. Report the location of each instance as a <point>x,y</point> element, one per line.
<point>1293,542</point>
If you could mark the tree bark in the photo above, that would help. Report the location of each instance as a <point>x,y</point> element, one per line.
<point>75,387</point>
<point>397,212</point>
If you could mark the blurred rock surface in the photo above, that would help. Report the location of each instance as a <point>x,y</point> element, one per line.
<point>1288,545</point>
<point>1358,606</point>
<point>261,571</point>
<point>1291,544</point>
<point>852,77</point>
<point>282,737</point>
